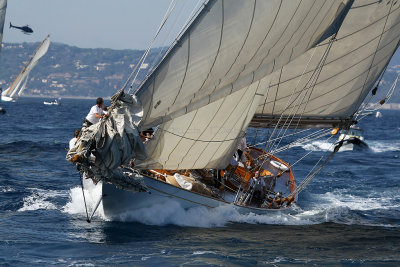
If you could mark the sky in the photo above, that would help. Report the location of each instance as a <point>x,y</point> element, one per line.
<point>116,24</point>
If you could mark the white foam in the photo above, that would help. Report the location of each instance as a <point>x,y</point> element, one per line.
<point>384,146</point>
<point>203,252</point>
<point>76,204</point>
<point>342,198</point>
<point>328,207</point>
<point>171,212</point>
<point>5,189</point>
<point>40,199</point>
<point>375,146</point>
<point>318,146</point>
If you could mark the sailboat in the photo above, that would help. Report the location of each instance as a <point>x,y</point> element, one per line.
<point>285,68</point>
<point>3,7</point>
<point>18,86</point>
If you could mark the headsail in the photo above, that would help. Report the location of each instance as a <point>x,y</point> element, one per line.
<point>22,78</point>
<point>206,137</point>
<point>364,45</point>
<point>229,46</point>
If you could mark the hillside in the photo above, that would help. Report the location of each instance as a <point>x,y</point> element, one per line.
<point>69,71</point>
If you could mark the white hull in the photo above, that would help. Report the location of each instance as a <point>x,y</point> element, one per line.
<point>51,103</point>
<point>7,99</point>
<point>117,202</point>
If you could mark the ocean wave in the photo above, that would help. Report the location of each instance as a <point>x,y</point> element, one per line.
<point>318,146</point>
<point>31,146</point>
<point>5,189</point>
<point>342,198</point>
<point>375,146</point>
<point>41,199</point>
<point>329,207</point>
<point>339,206</point>
<point>384,146</point>
<point>76,204</point>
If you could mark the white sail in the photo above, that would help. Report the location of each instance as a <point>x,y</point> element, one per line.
<point>364,45</point>
<point>231,45</point>
<point>206,133</point>
<point>15,88</point>
<point>3,7</point>
<point>23,86</point>
<point>207,137</point>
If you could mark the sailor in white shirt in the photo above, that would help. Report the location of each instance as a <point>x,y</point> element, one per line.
<point>73,141</point>
<point>95,113</point>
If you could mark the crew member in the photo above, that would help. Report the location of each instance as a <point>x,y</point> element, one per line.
<point>95,113</point>
<point>257,183</point>
<point>73,141</point>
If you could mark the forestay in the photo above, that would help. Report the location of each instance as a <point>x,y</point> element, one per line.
<point>363,47</point>
<point>231,45</point>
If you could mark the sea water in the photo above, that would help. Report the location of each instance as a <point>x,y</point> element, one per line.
<point>348,215</point>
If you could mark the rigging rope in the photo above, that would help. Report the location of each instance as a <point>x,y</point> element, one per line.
<point>84,199</point>
<point>172,6</point>
<point>311,81</point>
<point>190,18</point>
<point>142,59</point>
<point>376,106</point>
<point>309,178</point>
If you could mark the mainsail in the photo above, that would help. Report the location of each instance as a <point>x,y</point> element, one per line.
<point>231,45</point>
<point>19,84</point>
<point>207,95</point>
<point>310,91</point>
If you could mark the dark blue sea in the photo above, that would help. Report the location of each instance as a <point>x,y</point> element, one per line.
<point>349,215</point>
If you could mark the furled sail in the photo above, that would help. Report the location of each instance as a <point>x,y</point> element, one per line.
<point>22,78</point>
<point>329,95</point>
<point>231,45</point>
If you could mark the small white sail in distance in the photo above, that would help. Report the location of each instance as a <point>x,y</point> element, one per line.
<point>16,89</point>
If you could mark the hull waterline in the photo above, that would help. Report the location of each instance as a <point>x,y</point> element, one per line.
<point>117,202</point>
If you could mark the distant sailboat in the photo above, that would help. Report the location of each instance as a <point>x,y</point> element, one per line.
<point>378,114</point>
<point>279,65</point>
<point>18,86</point>
<point>53,103</point>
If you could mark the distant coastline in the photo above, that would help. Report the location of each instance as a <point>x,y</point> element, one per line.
<point>391,106</point>
<point>63,97</point>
